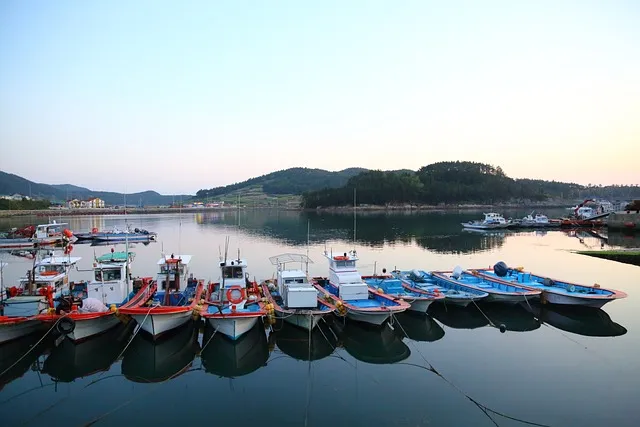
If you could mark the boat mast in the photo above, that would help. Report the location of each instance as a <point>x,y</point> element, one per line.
<point>126,246</point>
<point>307,260</point>
<point>354,219</point>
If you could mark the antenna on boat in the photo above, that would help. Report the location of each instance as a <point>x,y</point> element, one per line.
<point>126,247</point>
<point>179,225</point>
<point>354,219</point>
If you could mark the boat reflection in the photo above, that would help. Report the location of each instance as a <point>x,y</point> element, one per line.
<point>515,318</point>
<point>231,359</point>
<point>587,321</point>
<point>148,360</point>
<point>70,360</point>
<point>294,341</point>
<point>371,344</point>
<point>457,317</point>
<point>419,327</point>
<point>13,350</point>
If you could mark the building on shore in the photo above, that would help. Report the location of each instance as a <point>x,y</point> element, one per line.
<point>93,203</point>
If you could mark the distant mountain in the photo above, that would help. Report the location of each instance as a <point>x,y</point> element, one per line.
<point>293,181</point>
<point>12,184</point>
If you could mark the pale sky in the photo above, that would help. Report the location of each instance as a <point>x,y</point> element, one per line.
<point>176,96</point>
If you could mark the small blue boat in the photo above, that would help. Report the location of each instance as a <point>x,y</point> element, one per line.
<point>553,291</point>
<point>499,291</point>
<point>419,299</point>
<point>454,293</point>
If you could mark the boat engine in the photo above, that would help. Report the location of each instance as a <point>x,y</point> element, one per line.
<point>501,269</point>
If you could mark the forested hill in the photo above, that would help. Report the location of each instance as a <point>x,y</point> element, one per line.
<point>288,181</point>
<point>453,182</point>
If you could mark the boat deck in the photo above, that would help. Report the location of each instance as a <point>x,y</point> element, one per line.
<point>549,285</point>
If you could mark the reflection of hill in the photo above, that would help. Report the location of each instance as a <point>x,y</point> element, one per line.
<point>433,230</point>
<point>72,360</point>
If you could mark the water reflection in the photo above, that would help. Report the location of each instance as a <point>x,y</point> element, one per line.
<point>419,326</point>
<point>371,344</point>
<point>514,317</point>
<point>70,360</point>
<point>149,360</point>
<point>294,341</point>
<point>11,351</point>
<point>436,231</point>
<point>588,321</point>
<point>458,317</point>
<point>227,358</point>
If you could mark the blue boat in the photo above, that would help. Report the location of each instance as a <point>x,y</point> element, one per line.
<point>116,235</point>
<point>454,293</point>
<point>419,299</point>
<point>499,291</point>
<point>553,291</point>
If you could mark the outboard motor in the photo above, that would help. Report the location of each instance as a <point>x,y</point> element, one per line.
<point>416,276</point>
<point>136,230</point>
<point>457,272</point>
<point>501,269</point>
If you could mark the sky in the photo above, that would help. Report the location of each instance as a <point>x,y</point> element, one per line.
<point>178,96</point>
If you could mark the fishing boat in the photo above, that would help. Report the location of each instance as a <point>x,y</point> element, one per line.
<point>233,305</point>
<point>40,235</point>
<point>419,299</point>
<point>175,300</point>
<point>498,291</point>
<point>553,291</point>
<point>352,296</point>
<point>531,221</point>
<point>491,221</point>
<point>116,235</point>
<point>112,285</point>
<point>294,298</point>
<point>454,293</point>
<point>47,279</point>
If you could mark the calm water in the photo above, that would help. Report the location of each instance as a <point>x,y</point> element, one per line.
<point>552,367</point>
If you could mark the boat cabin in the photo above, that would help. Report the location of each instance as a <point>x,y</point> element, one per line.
<point>174,273</point>
<point>344,275</point>
<point>50,271</point>
<point>234,273</point>
<point>293,284</point>
<point>54,229</point>
<point>111,278</point>
<point>494,218</point>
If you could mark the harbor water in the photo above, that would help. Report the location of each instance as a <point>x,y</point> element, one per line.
<point>552,366</point>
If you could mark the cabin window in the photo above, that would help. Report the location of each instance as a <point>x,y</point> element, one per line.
<point>288,281</point>
<point>345,263</point>
<point>108,275</point>
<point>233,272</point>
<point>299,280</point>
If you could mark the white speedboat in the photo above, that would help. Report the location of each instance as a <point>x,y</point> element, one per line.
<point>491,221</point>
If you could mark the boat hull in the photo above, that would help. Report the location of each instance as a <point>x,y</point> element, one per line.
<point>13,329</point>
<point>419,305</point>
<point>554,298</point>
<point>157,324</point>
<point>374,318</point>
<point>304,321</point>
<point>485,226</point>
<point>87,328</point>
<point>507,299</point>
<point>233,327</point>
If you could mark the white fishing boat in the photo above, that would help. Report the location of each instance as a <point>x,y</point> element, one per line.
<point>538,220</point>
<point>112,285</point>
<point>175,300</point>
<point>233,304</point>
<point>294,298</point>
<point>46,280</point>
<point>491,220</point>
<point>43,235</point>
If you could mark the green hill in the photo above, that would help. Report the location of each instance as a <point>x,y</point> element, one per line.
<point>12,184</point>
<point>293,181</point>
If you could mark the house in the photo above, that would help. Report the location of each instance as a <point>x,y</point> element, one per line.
<point>16,196</point>
<point>94,203</point>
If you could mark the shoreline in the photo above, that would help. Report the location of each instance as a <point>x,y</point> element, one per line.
<point>380,208</point>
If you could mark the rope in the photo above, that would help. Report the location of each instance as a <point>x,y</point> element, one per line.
<point>33,346</point>
<point>156,385</point>
<point>482,407</point>
<point>489,320</point>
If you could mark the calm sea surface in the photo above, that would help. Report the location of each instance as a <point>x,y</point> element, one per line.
<point>552,366</point>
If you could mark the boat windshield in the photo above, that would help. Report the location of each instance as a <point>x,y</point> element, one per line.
<point>232,272</point>
<point>345,263</point>
<point>108,275</point>
<point>58,269</point>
